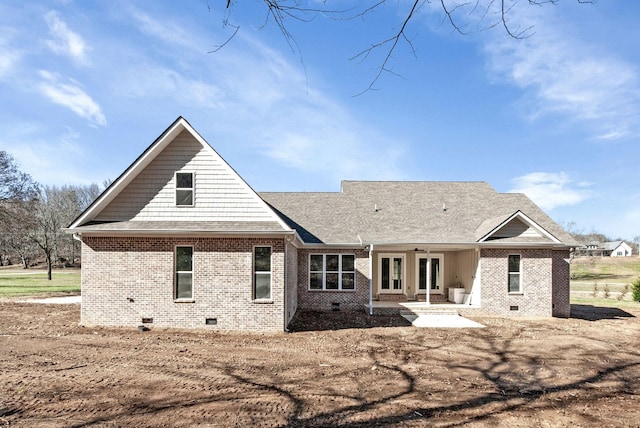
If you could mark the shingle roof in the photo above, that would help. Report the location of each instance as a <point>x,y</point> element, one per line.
<point>610,246</point>
<point>401,211</point>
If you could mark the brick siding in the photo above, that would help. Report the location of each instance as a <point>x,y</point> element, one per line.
<point>291,282</point>
<point>536,279</point>
<point>325,300</point>
<point>125,279</point>
<point>561,284</point>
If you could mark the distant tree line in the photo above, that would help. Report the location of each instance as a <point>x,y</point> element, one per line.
<point>32,217</point>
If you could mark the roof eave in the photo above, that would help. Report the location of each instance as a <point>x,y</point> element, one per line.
<point>177,232</point>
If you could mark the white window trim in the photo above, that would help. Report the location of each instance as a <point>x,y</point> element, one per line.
<point>324,272</point>
<point>520,291</point>
<point>176,272</point>
<point>270,273</point>
<point>192,188</point>
<point>403,285</point>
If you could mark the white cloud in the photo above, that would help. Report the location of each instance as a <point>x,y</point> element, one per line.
<point>168,31</point>
<point>550,190</point>
<point>301,127</point>
<point>65,42</point>
<point>564,74</point>
<point>71,95</point>
<point>153,80</point>
<point>256,97</point>
<point>8,60</point>
<point>9,57</point>
<point>40,153</point>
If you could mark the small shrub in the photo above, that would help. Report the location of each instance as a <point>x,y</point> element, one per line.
<point>623,293</point>
<point>635,290</point>
<point>606,292</point>
<point>594,293</point>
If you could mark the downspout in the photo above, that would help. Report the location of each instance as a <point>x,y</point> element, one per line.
<point>78,237</point>
<point>371,279</point>
<point>286,285</point>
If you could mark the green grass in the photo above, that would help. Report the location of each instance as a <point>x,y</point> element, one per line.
<point>15,284</point>
<point>601,301</point>
<point>614,272</point>
<point>624,269</point>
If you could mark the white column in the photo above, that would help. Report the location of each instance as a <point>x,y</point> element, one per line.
<point>371,279</point>
<point>428,285</point>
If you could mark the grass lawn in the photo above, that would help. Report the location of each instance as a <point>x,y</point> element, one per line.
<point>22,283</point>
<point>592,277</point>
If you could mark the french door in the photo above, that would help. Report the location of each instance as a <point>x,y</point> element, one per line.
<point>391,273</point>
<point>429,273</point>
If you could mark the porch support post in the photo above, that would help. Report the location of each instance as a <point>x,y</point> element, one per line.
<point>371,279</point>
<point>428,284</point>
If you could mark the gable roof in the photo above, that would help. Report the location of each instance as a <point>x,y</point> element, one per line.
<point>515,227</point>
<point>611,246</point>
<point>141,199</point>
<point>413,212</point>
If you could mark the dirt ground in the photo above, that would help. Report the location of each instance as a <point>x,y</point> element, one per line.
<point>336,369</point>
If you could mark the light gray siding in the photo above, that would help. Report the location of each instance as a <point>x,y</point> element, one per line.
<point>219,193</point>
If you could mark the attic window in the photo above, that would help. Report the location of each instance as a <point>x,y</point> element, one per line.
<point>184,189</point>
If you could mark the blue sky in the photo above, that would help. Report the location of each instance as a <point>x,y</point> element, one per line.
<point>85,87</point>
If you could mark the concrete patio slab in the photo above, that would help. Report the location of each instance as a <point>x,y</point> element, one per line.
<point>441,321</point>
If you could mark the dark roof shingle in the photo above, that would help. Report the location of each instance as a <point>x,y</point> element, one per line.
<point>404,211</point>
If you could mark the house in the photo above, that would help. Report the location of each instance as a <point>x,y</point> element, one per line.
<point>607,249</point>
<point>616,249</point>
<point>179,239</point>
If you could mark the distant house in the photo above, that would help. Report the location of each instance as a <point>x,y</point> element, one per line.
<point>181,240</point>
<point>606,249</point>
<point>616,249</point>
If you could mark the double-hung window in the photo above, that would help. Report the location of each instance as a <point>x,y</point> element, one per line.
<point>184,189</point>
<point>262,273</point>
<point>183,288</point>
<point>515,273</point>
<point>332,272</point>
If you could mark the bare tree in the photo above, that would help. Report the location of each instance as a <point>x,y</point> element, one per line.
<point>463,16</point>
<point>56,208</point>
<point>18,191</point>
<point>14,184</point>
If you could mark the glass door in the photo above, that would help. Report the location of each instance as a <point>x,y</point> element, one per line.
<point>431,277</point>
<point>391,274</point>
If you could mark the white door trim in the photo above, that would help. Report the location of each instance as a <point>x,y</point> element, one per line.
<point>403,268</point>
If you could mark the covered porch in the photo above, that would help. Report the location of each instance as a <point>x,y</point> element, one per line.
<point>419,276</point>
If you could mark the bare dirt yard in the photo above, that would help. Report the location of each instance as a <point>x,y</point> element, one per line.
<point>334,369</point>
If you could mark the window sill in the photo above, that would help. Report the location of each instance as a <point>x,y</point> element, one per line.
<point>263,301</point>
<point>330,291</point>
<point>515,293</point>
<point>184,300</point>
